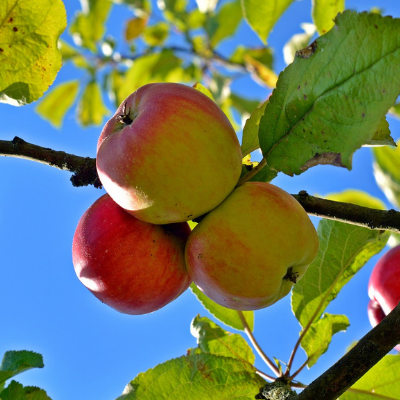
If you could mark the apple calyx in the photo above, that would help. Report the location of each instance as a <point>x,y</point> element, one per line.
<point>291,275</point>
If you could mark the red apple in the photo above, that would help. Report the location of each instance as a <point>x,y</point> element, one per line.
<point>247,253</point>
<point>169,154</point>
<point>132,266</point>
<point>384,287</point>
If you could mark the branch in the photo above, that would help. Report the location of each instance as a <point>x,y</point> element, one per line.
<point>83,168</point>
<point>350,213</point>
<point>359,360</point>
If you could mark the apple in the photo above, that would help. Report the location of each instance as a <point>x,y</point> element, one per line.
<point>169,154</point>
<point>384,287</point>
<point>248,252</point>
<point>131,265</point>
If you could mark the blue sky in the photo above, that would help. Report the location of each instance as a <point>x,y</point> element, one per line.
<point>91,351</point>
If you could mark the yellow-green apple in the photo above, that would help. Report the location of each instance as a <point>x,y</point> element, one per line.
<point>131,265</point>
<point>169,154</point>
<point>248,252</point>
<point>384,287</point>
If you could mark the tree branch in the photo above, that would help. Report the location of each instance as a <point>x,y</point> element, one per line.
<point>359,360</point>
<point>83,168</point>
<point>84,173</point>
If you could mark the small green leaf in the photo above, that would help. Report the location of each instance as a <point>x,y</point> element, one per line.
<point>262,16</point>
<point>15,362</point>
<point>29,57</point>
<point>91,109</point>
<point>250,131</point>
<point>344,249</point>
<point>242,104</point>
<point>198,86</point>
<point>298,42</point>
<point>57,102</point>
<point>15,391</point>
<point>324,13</point>
<point>317,339</point>
<point>381,136</point>
<point>318,114</point>
<point>387,172</point>
<point>196,377</point>
<point>213,339</point>
<point>88,26</point>
<point>358,197</point>
<point>175,12</point>
<point>135,27</point>
<point>380,382</point>
<point>224,22</point>
<point>156,35</point>
<point>227,316</point>
<point>262,54</point>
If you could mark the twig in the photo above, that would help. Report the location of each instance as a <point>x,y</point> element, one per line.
<point>359,360</point>
<point>260,351</point>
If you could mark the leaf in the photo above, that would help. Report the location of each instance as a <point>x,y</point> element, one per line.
<point>91,109</point>
<point>387,172</point>
<point>260,72</point>
<point>242,104</point>
<point>15,391</point>
<point>88,26</point>
<point>155,35</point>
<point>317,339</point>
<point>227,316</point>
<point>213,339</point>
<point>29,57</point>
<point>262,16</point>
<point>175,12</point>
<point>380,381</point>
<point>198,86</point>
<point>224,22</point>
<point>262,54</point>
<point>395,110</point>
<point>135,27</point>
<point>196,377</point>
<point>298,42</point>
<point>381,136</point>
<point>250,131</point>
<point>358,197</point>
<point>344,249</point>
<point>324,13</point>
<point>15,362</point>
<point>331,99</point>
<point>57,102</point>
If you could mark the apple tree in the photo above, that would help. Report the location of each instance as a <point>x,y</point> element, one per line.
<point>335,98</point>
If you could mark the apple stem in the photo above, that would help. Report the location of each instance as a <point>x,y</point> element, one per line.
<point>259,350</point>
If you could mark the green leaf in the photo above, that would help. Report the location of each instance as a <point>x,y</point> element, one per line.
<point>395,110</point>
<point>344,249</point>
<point>135,27</point>
<point>213,339</point>
<point>331,99</point>
<point>227,316</point>
<point>224,22</point>
<point>15,391</point>
<point>15,362</point>
<point>156,35</point>
<point>298,42</point>
<point>156,67</point>
<point>262,16</point>
<point>318,337</point>
<point>175,12</point>
<point>324,13</point>
<point>29,57</point>
<point>380,381</point>
<point>57,102</point>
<point>381,136</point>
<point>250,131</point>
<point>242,104</point>
<point>358,197</point>
<point>201,88</point>
<point>387,172</point>
<point>196,377</point>
<point>262,54</point>
<point>91,109</point>
<point>88,26</point>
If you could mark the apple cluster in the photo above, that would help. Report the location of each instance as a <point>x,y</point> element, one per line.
<point>384,287</point>
<point>170,155</point>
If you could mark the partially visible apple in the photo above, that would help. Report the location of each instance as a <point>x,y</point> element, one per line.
<point>132,266</point>
<point>169,154</point>
<point>384,287</point>
<point>247,253</point>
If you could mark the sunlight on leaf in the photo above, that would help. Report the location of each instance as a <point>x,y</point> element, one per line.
<point>29,57</point>
<point>324,12</point>
<point>358,197</point>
